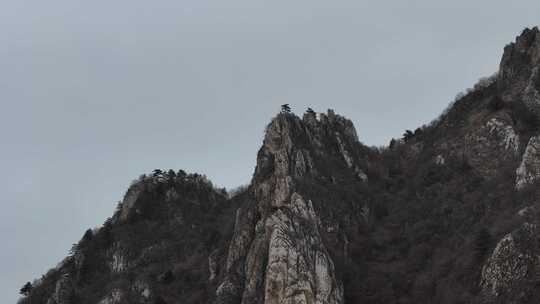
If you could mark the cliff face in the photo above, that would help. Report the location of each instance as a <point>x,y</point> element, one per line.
<point>518,77</point>
<point>284,257</point>
<point>529,169</point>
<point>447,214</point>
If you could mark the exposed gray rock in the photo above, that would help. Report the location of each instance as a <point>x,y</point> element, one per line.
<point>527,211</point>
<point>310,119</point>
<point>299,269</point>
<point>113,298</point>
<point>529,169</point>
<point>281,258</point>
<point>129,201</point>
<point>142,289</point>
<point>505,133</point>
<point>227,292</point>
<point>349,159</point>
<point>344,124</point>
<point>231,288</point>
<point>514,260</point>
<point>518,76</point>
<point>494,143</point>
<point>530,96</point>
<point>439,160</point>
<point>118,260</point>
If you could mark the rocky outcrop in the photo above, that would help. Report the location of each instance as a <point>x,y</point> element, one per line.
<point>504,133</point>
<point>513,266</point>
<point>488,147</point>
<point>114,297</point>
<point>118,260</point>
<point>518,77</point>
<point>349,160</point>
<point>129,200</point>
<point>142,289</point>
<point>440,160</point>
<point>231,288</point>
<point>529,169</point>
<point>299,269</point>
<point>287,261</point>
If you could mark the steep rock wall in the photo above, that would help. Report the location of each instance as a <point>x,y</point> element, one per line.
<point>277,254</point>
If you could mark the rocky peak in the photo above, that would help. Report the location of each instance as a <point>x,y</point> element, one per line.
<point>292,146</point>
<point>165,186</point>
<point>340,124</point>
<point>281,249</point>
<point>283,156</point>
<point>314,146</point>
<point>287,130</point>
<point>518,70</point>
<point>520,57</point>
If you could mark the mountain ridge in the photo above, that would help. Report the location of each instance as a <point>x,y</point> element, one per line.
<point>446,214</point>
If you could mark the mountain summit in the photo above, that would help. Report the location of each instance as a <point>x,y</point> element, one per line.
<point>448,213</point>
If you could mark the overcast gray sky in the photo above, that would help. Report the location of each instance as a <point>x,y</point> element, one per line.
<point>94,93</point>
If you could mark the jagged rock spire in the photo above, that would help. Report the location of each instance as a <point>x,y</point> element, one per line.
<point>287,261</point>
<point>290,141</point>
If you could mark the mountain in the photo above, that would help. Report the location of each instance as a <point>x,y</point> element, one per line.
<point>447,214</point>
